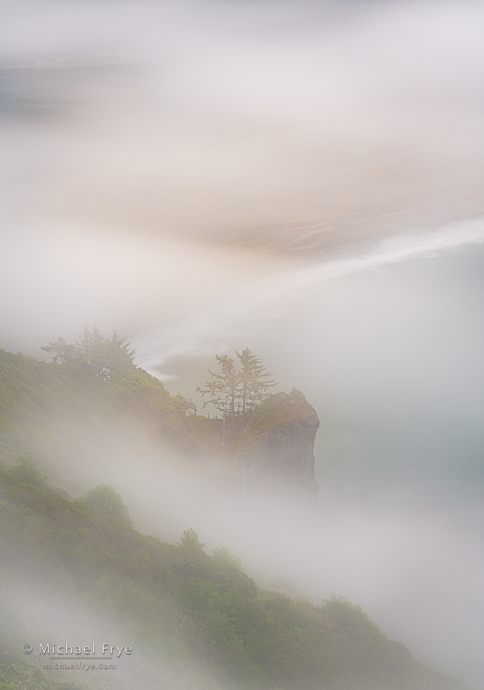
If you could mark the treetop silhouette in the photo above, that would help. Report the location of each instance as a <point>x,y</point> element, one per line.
<point>235,391</point>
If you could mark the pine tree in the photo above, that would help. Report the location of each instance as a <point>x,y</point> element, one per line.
<point>190,542</point>
<point>254,379</point>
<point>224,388</point>
<point>62,352</point>
<point>235,392</point>
<point>94,352</point>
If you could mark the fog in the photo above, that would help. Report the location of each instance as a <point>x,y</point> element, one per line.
<point>400,535</point>
<point>195,135</point>
<point>304,179</point>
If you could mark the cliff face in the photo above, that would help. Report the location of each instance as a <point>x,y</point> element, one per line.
<point>275,450</point>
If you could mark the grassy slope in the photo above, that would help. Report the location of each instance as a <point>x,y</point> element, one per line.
<point>198,620</point>
<point>35,397</point>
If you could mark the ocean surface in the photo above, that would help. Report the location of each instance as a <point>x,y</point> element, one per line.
<point>206,177</point>
<point>388,345</point>
<point>389,348</point>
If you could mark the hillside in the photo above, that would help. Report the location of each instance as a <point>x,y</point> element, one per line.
<point>75,570</point>
<point>63,415</point>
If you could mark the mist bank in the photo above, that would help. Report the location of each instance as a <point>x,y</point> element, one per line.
<point>130,433</point>
<point>203,175</point>
<point>191,147</point>
<point>193,620</point>
<point>267,126</point>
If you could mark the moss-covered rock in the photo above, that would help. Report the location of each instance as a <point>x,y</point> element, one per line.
<point>275,448</point>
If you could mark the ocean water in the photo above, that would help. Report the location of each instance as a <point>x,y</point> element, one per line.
<point>156,164</point>
<point>393,361</point>
<point>388,346</point>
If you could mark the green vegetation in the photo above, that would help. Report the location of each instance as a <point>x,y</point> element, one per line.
<point>106,505</point>
<point>39,400</point>
<point>235,392</point>
<point>94,353</point>
<point>18,671</point>
<point>276,411</point>
<point>65,415</point>
<point>195,619</point>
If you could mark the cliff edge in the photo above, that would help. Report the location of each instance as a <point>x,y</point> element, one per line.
<point>274,451</point>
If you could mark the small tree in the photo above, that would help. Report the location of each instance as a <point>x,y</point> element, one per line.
<point>254,380</point>
<point>104,502</point>
<point>62,352</point>
<point>190,542</point>
<point>185,405</point>
<point>235,392</point>
<point>94,352</point>
<point>223,388</point>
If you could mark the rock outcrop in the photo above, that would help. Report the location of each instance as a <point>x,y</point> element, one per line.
<point>274,451</point>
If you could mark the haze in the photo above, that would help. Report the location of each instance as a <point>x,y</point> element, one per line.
<point>207,175</point>
<point>161,148</point>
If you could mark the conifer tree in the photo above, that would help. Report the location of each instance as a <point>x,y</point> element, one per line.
<point>254,380</point>
<point>190,542</point>
<point>235,392</point>
<point>223,388</point>
<point>94,352</point>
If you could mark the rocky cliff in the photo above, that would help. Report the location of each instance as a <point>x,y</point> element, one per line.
<point>272,448</point>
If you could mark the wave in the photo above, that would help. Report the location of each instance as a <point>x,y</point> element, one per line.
<point>237,314</point>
